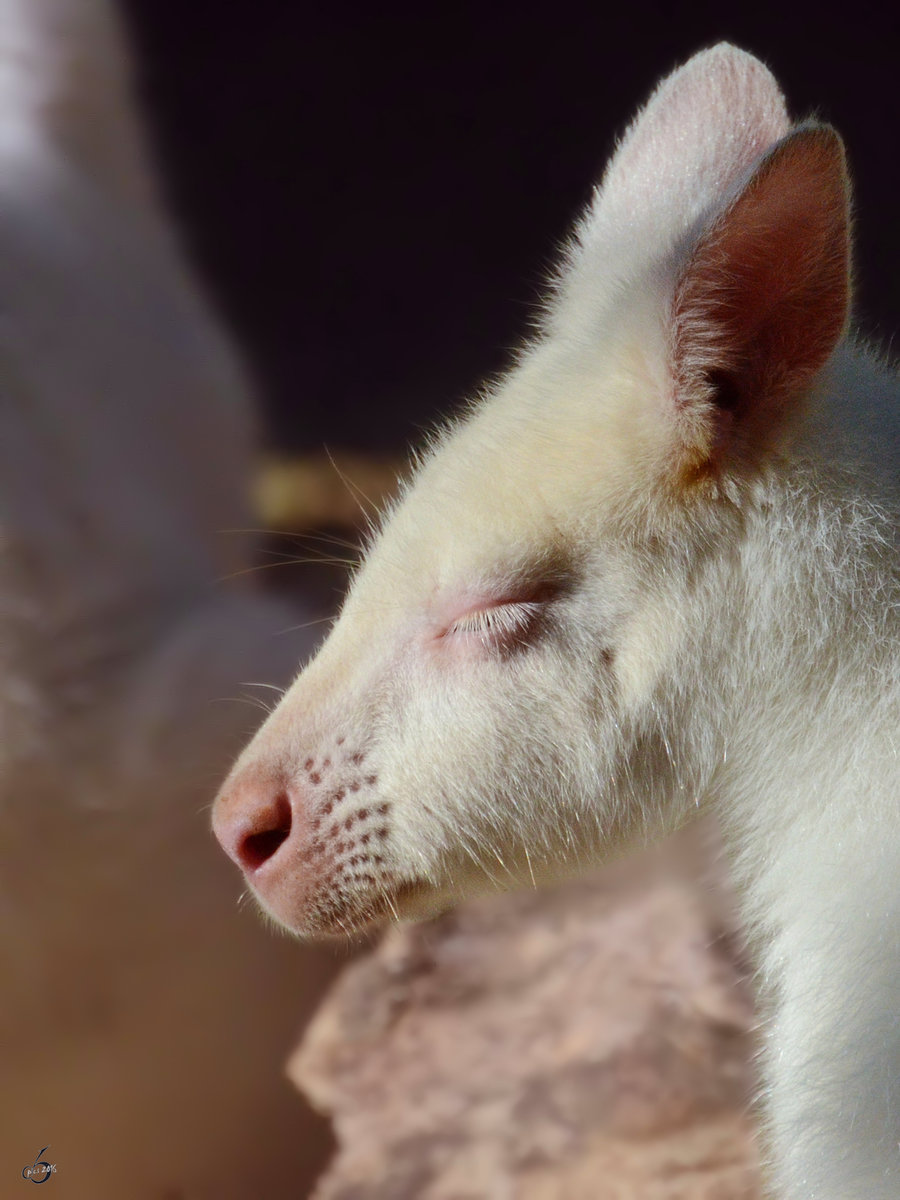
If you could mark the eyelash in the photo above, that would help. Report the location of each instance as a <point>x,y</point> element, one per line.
<point>499,623</point>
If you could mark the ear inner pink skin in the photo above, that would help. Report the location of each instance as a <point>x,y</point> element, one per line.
<point>765,294</point>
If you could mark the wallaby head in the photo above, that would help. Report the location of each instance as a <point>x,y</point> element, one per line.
<point>534,667</point>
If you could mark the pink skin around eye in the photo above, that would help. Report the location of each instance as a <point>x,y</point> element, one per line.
<point>487,620</point>
<point>457,609</point>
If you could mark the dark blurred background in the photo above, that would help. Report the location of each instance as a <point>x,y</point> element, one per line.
<point>375,192</point>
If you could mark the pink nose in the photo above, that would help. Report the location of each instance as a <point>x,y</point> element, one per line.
<point>253,817</point>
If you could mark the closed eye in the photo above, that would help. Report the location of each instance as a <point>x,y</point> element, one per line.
<point>498,624</point>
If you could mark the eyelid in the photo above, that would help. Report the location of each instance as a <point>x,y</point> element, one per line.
<point>507,615</point>
<point>497,621</point>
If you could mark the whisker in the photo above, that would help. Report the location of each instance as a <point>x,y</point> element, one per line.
<point>530,868</point>
<point>390,903</point>
<point>253,701</point>
<point>330,559</point>
<point>339,562</point>
<point>296,536</point>
<point>355,492</point>
<point>304,625</point>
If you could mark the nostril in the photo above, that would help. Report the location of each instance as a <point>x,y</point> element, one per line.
<point>258,847</point>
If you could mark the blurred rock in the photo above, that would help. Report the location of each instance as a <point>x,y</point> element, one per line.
<point>586,1043</point>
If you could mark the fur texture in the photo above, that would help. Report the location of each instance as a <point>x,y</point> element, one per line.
<point>653,573</point>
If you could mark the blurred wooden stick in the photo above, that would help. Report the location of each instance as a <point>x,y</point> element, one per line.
<point>313,491</point>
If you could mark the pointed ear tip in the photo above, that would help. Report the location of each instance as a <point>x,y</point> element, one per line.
<point>824,143</point>
<point>725,49</point>
<point>721,49</point>
<point>727,53</point>
<point>821,132</point>
<point>728,66</point>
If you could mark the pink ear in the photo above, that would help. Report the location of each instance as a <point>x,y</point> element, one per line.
<point>704,126</point>
<point>763,299</point>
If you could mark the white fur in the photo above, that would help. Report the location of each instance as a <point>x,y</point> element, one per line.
<point>665,643</point>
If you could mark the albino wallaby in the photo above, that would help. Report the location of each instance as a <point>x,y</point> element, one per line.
<point>653,573</point>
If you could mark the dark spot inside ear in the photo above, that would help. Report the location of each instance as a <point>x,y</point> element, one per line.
<point>726,391</point>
